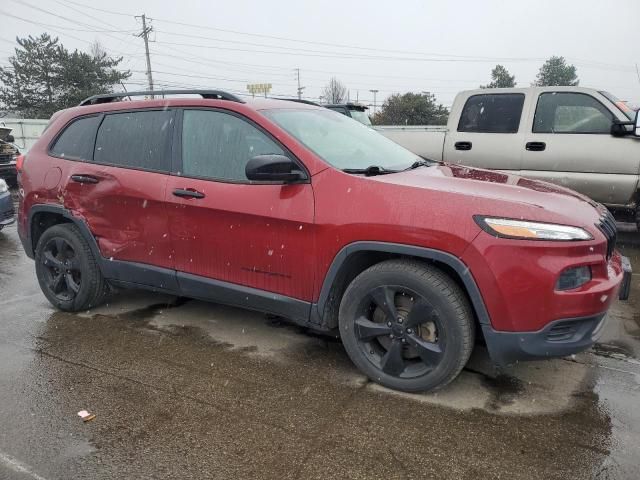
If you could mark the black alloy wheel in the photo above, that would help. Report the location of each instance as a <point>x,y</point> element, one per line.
<point>407,325</point>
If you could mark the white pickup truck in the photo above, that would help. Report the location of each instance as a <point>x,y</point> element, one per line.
<point>580,138</point>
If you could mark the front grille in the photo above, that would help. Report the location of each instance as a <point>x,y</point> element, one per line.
<point>607,226</point>
<point>6,158</point>
<point>563,331</point>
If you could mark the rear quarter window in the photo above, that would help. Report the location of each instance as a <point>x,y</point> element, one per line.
<point>76,140</point>
<point>140,140</point>
<point>492,113</point>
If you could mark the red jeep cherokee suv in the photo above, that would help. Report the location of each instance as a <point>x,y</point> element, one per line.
<point>301,212</point>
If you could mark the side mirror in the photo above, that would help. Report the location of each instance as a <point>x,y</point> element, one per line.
<point>273,168</point>
<point>621,129</point>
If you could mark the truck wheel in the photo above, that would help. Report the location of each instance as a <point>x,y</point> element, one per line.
<point>67,270</point>
<point>407,325</point>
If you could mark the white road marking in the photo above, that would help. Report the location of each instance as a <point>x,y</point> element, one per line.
<point>18,467</point>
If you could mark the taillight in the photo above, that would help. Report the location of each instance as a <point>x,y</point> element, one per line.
<point>19,163</point>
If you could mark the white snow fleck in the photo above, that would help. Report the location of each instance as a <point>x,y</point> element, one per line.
<point>270,252</point>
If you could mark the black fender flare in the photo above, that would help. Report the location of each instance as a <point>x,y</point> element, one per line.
<point>407,250</point>
<point>59,210</point>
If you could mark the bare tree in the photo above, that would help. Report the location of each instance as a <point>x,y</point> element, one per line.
<point>335,91</point>
<point>97,50</point>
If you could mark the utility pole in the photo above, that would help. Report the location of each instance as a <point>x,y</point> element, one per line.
<point>300,89</point>
<point>145,35</point>
<point>374,99</point>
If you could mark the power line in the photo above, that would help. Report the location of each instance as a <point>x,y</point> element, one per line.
<point>94,29</point>
<point>451,57</point>
<point>99,20</point>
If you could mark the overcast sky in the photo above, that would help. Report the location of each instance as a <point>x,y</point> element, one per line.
<point>437,46</point>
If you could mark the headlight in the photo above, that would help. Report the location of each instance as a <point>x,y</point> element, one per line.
<point>522,229</point>
<point>3,186</point>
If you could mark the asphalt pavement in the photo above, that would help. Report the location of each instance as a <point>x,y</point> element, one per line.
<point>186,389</point>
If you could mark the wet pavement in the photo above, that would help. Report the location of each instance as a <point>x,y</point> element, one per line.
<point>187,389</point>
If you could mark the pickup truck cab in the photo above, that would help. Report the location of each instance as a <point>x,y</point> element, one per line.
<point>353,110</point>
<point>576,137</point>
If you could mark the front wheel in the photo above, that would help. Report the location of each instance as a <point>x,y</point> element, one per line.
<point>67,270</point>
<point>407,325</point>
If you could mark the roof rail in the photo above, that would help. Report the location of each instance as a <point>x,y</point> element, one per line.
<point>112,97</point>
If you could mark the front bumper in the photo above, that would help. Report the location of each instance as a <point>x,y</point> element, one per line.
<point>557,339</point>
<point>7,212</point>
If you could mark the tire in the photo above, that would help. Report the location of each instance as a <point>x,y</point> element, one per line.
<point>67,271</point>
<point>419,344</point>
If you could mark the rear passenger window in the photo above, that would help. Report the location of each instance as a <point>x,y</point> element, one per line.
<point>492,113</point>
<point>217,145</point>
<point>76,141</point>
<point>136,140</point>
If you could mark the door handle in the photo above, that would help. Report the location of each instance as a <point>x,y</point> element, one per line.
<point>187,193</point>
<point>462,145</point>
<point>80,178</point>
<point>535,146</point>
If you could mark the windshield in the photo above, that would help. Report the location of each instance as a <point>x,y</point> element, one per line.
<point>622,106</point>
<point>361,117</point>
<point>340,141</point>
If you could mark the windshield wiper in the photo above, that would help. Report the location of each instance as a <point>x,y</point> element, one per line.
<point>370,171</point>
<point>420,163</point>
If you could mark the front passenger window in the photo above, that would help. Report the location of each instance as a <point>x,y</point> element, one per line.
<point>218,145</point>
<point>565,112</point>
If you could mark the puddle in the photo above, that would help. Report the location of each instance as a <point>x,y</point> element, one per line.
<point>504,389</point>
<point>612,350</point>
<point>525,389</point>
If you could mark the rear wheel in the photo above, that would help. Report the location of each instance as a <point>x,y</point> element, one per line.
<point>407,325</point>
<point>67,270</point>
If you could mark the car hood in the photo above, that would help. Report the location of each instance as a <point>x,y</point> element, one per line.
<point>498,193</point>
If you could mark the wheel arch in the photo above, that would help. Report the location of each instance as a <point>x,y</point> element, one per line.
<point>358,256</point>
<point>42,217</point>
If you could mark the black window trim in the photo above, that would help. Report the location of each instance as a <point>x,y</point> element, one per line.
<point>176,164</point>
<point>64,128</point>
<point>138,110</point>
<point>520,94</point>
<point>533,120</point>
